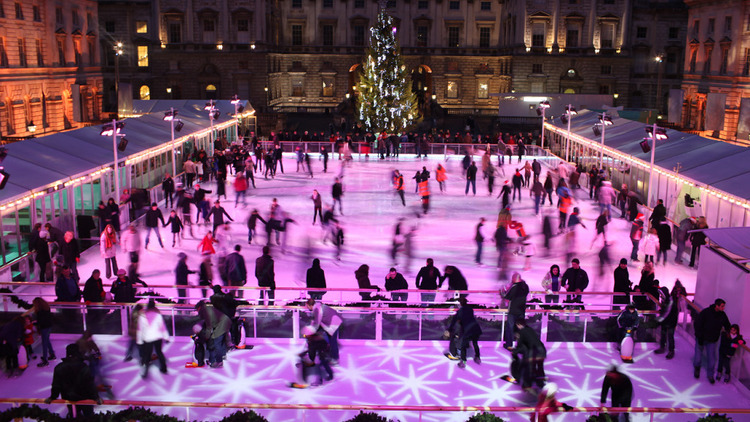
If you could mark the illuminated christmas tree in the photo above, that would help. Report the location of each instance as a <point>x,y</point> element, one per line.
<point>385,100</point>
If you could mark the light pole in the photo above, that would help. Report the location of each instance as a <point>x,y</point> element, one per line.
<point>654,133</point>
<point>599,129</point>
<point>113,129</point>
<point>540,111</point>
<point>238,108</point>
<point>658,59</point>
<point>118,52</point>
<point>570,111</point>
<point>171,117</point>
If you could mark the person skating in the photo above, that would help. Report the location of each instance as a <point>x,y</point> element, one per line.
<point>337,191</point>
<point>216,326</point>
<point>517,180</point>
<point>218,212</point>
<point>317,347</point>
<point>627,320</point>
<point>317,206</point>
<point>479,239</point>
<point>471,331</point>
<point>516,294</point>
<point>153,216</point>
<point>622,391</point>
<point>636,233</point>
<point>424,193</point>
<point>175,227</point>
<point>252,222</point>
<point>167,186</point>
<point>326,320</point>
<point>708,326</point>
<point>74,381</point>
<point>505,193</point>
<point>530,351</point>
<point>152,331</point>
<point>398,185</point>
<point>441,176</point>
<point>471,178</point>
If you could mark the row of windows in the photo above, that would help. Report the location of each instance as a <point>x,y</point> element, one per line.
<point>710,30</point>
<point>421,4</point>
<point>538,68</point>
<point>18,8</point>
<point>642,32</point>
<point>23,57</point>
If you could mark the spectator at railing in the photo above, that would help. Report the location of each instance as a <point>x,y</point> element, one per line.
<point>66,287</point>
<point>427,280</point>
<point>316,278</point>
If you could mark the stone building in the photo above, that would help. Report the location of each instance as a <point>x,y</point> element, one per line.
<point>717,70</point>
<point>50,75</point>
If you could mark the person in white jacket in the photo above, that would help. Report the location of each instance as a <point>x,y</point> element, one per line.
<point>130,242</point>
<point>328,320</point>
<point>151,331</point>
<point>650,245</point>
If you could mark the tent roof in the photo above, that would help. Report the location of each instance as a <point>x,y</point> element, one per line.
<point>709,162</point>
<point>736,240</point>
<point>39,162</point>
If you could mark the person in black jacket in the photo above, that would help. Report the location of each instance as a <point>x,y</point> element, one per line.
<point>71,253</point>
<point>622,284</point>
<point>337,191</point>
<point>181,273</point>
<point>316,278</point>
<point>10,338</point>
<point>708,326</point>
<point>394,280</point>
<point>123,288</point>
<point>659,214</point>
<point>664,231</point>
<point>363,281</point>
<point>471,178</point>
<point>456,280</point>
<point>264,272</point>
<point>622,390</point>
<point>234,268</point>
<point>730,342</point>
<point>531,348</point>
<point>697,239</point>
<point>575,279</point>
<point>74,381</point>
<point>218,212</point>
<point>427,280</point>
<point>153,216</point>
<point>471,331</point>
<point>516,295</point>
<point>668,315</point>
<point>252,222</point>
<point>175,226</point>
<point>167,185</point>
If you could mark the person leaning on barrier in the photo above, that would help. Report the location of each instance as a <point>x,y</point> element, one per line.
<point>74,381</point>
<point>394,280</point>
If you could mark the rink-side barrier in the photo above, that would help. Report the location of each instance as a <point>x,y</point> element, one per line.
<point>421,410</point>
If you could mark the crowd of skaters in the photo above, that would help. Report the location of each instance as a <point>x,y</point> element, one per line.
<point>563,181</point>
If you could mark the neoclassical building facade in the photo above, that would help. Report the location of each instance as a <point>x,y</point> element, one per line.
<point>50,74</point>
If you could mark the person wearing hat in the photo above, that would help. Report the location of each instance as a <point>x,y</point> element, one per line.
<point>123,289</point>
<point>622,391</point>
<point>505,193</point>
<point>547,403</point>
<point>181,273</point>
<point>74,381</point>
<point>153,216</point>
<point>636,234</point>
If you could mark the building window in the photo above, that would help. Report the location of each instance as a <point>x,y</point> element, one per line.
<point>296,4</point>
<point>641,31</point>
<point>4,55</point>
<point>671,63</point>
<point>36,12</point>
<point>603,89</point>
<point>209,25</point>
<point>142,56</point>
<point>454,5</point>
<point>693,59</point>
<point>298,88</point>
<point>571,38</point>
<point>696,28</point>
<point>359,35</point>
<point>453,36</point>
<point>328,35</point>
<point>77,51</point>
<point>243,25</point>
<point>422,36</point>
<point>19,11</point>
<point>607,35</point>
<point>485,5</point>
<point>747,23</point>
<point>745,66</point>
<point>22,52</point>
<point>2,10</point>
<point>39,55</point>
<point>711,26</point>
<point>359,4</point>
<point>61,52</point>
<point>141,27</point>
<point>674,32</point>
<point>210,91</point>
<point>484,37</point>
<point>327,87</point>
<point>538,34</point>
<point>92,53</point>
<point>609,2</point>
<point>606,69</point>
<point>76,18</point>
<point>422,4</point>
<point>727,24</point>
<point>724,61</point>
<point>451,89</point>
<point>328,4</point>
<point>110,26</point>
<point>296,34</point>
<point>89,21</point>
<point>483,90</point>
<point>174,35</point>
<point>144,93</point>
<point>707,63</point>
<point>537,68</point>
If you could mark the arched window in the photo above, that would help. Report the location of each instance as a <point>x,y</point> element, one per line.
<point>145,92</point>
<point>211,91</point>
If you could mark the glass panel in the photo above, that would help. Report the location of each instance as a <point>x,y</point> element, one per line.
<point>359,326</point>
<point>274,324</point>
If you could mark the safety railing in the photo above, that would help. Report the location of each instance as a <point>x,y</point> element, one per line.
<point>421,411</point>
